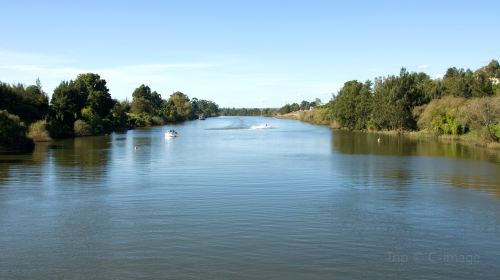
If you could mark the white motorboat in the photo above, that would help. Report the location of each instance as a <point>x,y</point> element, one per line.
<point>171,134</point>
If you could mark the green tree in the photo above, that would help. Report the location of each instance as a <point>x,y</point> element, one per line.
<point>457,82</point>
<point>86,98</point>
<point>492,70</point>
<point>363,107</point>
<point>345,103</point>
<point>98,99</point>
<point>13,133</point>
<point>177,108</point>
<point>352,105</point>
<point>432,89</point>
<point>394,99</point>
<point>304,105</point>
<point>66,107</point>
<point>29,103</point>
<point>169,112</point>
<point>285,109</point>
<point>295,107</point>
<point>119,115</point>
<point>481,85</point>
<point>146,101</point>
<point>465,83</point>
<point>201,107</point>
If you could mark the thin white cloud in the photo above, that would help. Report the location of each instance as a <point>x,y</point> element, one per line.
<point>228,81</point>
<point>423,66</point>
<point>121,79</point>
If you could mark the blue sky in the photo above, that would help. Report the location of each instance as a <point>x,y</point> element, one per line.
<point>241,53</point>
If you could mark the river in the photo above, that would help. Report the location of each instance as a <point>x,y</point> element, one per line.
<point>232,199</point>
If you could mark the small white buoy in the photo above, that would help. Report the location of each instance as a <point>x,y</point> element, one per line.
<point>378,140</point>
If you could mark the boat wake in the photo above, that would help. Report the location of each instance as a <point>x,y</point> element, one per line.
<point>260,126</point>
<point>253,127</point>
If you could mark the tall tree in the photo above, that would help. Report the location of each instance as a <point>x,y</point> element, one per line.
<point>394,99</point>
<point>146,101</point>
<point>98,100</point>
<point>352,105</point>
<point>67,103</point>
<point>178,107</point>
<point>29,103</point>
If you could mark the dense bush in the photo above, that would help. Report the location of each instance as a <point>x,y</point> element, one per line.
<point>140,120</point>
<point>119,116</point>
<point>447,124</point>
<point>442,115</point>
<point>155,120</point>
<point>495,130</point>
<point>13,133</point>
<point>59,130</point>
<point>483,113</point>
<point>320,115</point>
<point>29,103</point>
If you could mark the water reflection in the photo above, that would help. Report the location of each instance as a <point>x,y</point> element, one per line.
<point>395,145</point>
<point>424,160</point>
<point>83,158</point>
<point>12,166</point>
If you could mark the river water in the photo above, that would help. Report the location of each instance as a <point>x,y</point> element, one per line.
<point>233,199</point>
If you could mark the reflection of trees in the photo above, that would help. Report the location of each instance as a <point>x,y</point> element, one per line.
<point>84,158</point>
<point>34,161</point>
<point>488,183</point>
<point>366,143</point>
<point>483,175</point>
<point>6,162</point>
<point>396,145</point>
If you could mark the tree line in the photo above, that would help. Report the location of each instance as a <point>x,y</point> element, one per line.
<point>302,106</point>
<point>265,112</point>
<point>269,112</point>
<point>84,106</point>
<point>462,101</point>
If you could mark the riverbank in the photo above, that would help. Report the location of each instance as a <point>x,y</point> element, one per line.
<point>75,109</point>
<point>38,133</point>
<point>317,116</point>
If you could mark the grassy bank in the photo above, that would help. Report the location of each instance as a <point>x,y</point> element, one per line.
<point>315,116</point>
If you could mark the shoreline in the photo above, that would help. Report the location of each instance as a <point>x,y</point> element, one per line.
<point>50,139</point>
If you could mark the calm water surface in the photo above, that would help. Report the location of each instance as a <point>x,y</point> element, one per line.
<point>225,201</point>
